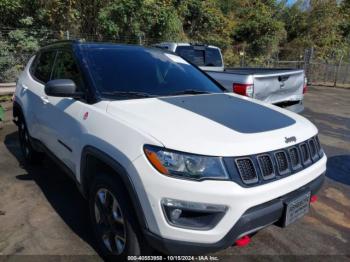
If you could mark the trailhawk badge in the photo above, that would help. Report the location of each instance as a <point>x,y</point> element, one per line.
<point>290,139</point>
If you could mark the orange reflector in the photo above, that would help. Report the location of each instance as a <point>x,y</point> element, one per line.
<point>153,158</point>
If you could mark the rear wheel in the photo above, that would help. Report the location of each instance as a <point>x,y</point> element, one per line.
<point>31,156</point>
<point>114,221</point>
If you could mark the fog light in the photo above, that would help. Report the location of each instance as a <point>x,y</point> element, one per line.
<point>192,215</point>
<point>175,214</point>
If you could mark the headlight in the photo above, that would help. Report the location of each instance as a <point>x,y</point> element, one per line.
<point>185,165</point>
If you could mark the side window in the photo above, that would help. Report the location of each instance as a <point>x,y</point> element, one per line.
<point>43,66</point>
<point>66,68</point>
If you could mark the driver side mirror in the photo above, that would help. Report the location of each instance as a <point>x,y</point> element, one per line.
<point>62,88</point>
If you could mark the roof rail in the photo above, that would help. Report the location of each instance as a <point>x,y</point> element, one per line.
<point>68,41</point>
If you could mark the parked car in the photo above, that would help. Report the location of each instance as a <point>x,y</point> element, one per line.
<point>165,157</point>
<point>281,87</point>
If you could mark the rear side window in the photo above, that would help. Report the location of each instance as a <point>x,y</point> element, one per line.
<point>43,66</point>
<point>66,68</point>
<point>200,55</point>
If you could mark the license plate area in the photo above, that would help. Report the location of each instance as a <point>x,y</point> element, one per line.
<point>296,208</point>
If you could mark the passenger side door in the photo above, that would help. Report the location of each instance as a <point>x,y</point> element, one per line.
<point>63,118</point>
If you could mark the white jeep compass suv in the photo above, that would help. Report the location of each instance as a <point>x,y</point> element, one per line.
<point>166,158</point>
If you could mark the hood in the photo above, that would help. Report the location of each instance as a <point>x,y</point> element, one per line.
<point>214,124</point>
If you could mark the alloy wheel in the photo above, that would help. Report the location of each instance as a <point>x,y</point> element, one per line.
<point>110,221</point>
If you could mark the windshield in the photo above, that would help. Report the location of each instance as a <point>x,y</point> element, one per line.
<point>200,55</point>
<point>140,72</point>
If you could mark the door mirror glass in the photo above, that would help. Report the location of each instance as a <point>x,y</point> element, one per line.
<point>62,88</point>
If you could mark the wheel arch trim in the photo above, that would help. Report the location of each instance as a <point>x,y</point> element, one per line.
<point>119,170</point>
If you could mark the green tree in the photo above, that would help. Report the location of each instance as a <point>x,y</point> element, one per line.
<point>345,25</point>
<point>160,21</point>
<point>325,36</point>
<point>60,16</point>
<point>204,21</point>
<point>120,20</point>
<point>295,19</point>
<point>128,21</point>
<point>89,17</point>
<point>16,48</point>
<point>259,29</point>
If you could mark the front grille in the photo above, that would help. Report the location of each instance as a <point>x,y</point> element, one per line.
<point>266,166</point>
<point>305,154</point>
<point>263,168</point>
<point>313,149</point>
<point>282,162</point>
<point>318,145</point>
<point>247,170</point>
<point>294,158</point>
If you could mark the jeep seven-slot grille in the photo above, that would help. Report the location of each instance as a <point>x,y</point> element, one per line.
<point>247,170</point>
<point>305,154</point>
<point>266,167</point>
<point>282,162</point>
<point>318,145</point>
<point>294,158</point>
<point>313,149</point>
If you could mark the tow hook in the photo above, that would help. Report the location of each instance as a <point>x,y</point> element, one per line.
<point>313,199</point>
<point>243,241</point>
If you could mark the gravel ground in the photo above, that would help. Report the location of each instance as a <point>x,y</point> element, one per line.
<point>43,216</point>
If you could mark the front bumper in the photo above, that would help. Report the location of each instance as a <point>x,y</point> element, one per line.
<point>152,187</point>
<point>252,220</point>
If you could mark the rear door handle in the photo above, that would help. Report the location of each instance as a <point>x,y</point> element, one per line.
<point>45,99</point>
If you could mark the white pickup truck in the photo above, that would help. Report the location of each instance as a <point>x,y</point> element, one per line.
<point>281,87</point>
<point>167,160</point>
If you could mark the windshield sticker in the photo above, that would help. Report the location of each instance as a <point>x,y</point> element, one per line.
<point>176,59</point>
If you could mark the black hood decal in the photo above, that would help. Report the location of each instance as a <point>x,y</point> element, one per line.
<point>237,114</point>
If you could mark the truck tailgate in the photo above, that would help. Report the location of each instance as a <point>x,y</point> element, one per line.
<point>279,87</point>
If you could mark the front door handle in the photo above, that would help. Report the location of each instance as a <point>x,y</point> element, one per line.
<point>45,99</point>
<point>24,88</point>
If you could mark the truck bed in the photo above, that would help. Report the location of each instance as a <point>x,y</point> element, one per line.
<point>279,86</point>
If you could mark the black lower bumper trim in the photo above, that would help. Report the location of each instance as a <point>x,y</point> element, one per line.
<point>252,220</point>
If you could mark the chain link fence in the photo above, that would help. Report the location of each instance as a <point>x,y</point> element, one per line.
<point>11,66</point>
<point>13,56</point>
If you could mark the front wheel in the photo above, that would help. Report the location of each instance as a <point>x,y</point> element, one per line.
<point>114,221</point>
<point>31,156</point>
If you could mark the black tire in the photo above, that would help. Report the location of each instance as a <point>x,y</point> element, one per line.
<point>125,226</point>
<point>31,156</point>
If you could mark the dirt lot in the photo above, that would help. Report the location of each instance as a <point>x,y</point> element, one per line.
<point>42,213</point>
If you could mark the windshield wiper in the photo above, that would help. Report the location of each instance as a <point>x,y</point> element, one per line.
<point>129,94</point>
<point>190,92</point>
